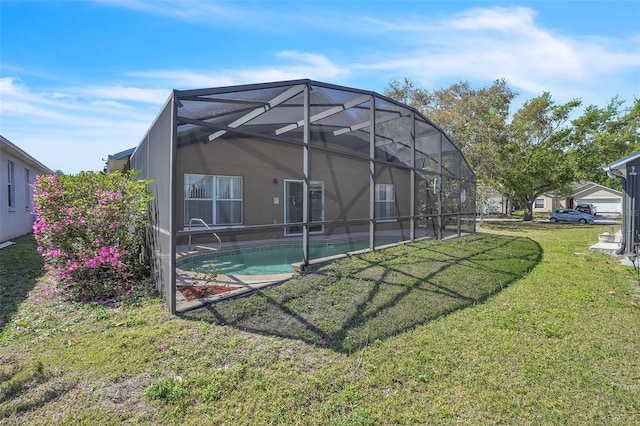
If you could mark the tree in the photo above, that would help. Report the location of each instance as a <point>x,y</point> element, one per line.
<point>536,157</point>
<point>603,135</point>
<point>407,93</point>
<point>474,119</point>
<point>538,150</point>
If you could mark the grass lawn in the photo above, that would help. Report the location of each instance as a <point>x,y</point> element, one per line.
<point>518,324</point>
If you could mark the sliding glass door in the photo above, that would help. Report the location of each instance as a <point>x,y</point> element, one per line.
<point>293,212</point>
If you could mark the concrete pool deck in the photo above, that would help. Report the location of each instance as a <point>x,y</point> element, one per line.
<point>241,284</point>
<point>246,284</point>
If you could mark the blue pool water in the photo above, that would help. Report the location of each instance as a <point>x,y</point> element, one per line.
<point>267,260</point>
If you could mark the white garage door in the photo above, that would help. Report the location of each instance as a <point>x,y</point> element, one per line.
<point>603,205</point>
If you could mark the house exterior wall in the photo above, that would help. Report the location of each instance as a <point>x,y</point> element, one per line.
<point>631,207</point>
<point>626,169</point>
<point>266,165</point>
<point>606,200</point>
<point>17,219</point>
<point>551,202</point>
<point>258,162</point>
<point>545,206</point>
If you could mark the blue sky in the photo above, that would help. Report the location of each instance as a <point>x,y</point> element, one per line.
<point>83,79</point>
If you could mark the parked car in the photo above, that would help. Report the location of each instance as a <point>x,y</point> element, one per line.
<point>570,215</point>
<point>493,209</point>
<point>587,208</point>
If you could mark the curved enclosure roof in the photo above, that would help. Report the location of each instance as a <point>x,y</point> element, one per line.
<point>297,161</point>
<point>340,119</point>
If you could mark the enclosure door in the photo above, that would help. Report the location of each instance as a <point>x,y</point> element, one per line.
<point>293,194</point>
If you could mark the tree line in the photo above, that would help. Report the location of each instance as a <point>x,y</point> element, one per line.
<point>541,147</point>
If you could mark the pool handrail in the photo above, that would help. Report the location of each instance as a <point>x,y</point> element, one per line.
<point>197,219</point>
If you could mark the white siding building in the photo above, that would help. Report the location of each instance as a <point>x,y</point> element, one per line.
<point>18,172</point>
<point>605,200</point>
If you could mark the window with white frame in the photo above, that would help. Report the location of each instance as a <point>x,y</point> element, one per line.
<point>11,189</point>
<point>385,205</point>
<point>27,189</point>
<point>539,203</point>
<point>217,200</point>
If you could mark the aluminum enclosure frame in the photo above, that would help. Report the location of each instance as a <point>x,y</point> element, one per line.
<point>321,121</point>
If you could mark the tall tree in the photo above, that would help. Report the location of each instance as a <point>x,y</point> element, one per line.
<point>536,157</point>
<point>603,135</point>
<point>475,119</point>
<point>539,149</point>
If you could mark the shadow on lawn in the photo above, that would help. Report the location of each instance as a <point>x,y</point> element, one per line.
<point>20,267</point>
<point>523,227</point>
<point>24,391</point>
<point>353,302</point>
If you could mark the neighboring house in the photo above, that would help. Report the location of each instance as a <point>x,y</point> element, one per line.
<point>626,169</point>
<point>118,161</point>
<point>550,201</point>
<point>495,203</point>
<point>18,172</point>
<point>295,163</point>
<point>607,201</point>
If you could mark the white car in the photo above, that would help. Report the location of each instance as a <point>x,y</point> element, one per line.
<point>493,209</point>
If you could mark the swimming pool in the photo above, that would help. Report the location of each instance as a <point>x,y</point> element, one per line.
<point>268,260</point>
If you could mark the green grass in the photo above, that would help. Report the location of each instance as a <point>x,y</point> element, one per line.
<point>518,324</point>
<point>20,266</point>
<point>348,304</point>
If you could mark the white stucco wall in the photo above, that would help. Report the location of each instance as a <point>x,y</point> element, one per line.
<point>17,219</point>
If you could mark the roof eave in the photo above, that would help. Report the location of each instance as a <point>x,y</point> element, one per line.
<point>621,164</point>
<point>23,155</point>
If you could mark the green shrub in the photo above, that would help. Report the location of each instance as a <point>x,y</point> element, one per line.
<point>90,229</point>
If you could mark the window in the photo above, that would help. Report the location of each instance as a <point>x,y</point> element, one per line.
<point>10,185</point>
<point>27,189</point>
<point>228,200</point>
<point>217,200</point>
<point>539,203</point>
<point>385,201</point>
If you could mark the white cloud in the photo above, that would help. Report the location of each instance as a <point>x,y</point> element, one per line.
<point>317,66</point>
<point>124,93</point>
<point>510,20</point>
<point>289,65</point>
<point>479,44</point>
<point>185,79</point>
<point>17,100</point>
<point>70,130</point>
<point>485,44</point>
<point>78,126</point>
<point>109,104</point>
<point>203,12</point>
<point>188,10</point>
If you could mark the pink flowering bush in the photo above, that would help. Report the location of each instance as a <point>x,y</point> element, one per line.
<point>90,229</point>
